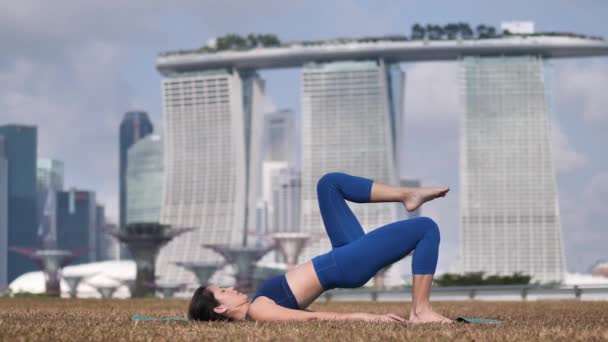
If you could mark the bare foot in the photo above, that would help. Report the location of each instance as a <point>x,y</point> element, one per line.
<point>415,197</point>
<point>428,317</point>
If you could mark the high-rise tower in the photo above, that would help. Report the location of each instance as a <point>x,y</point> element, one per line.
<point>351,115</point>
<point>20,145</point>
<point>49,180</point>
<point>213,122</point>
<point>509,209</point>
<point>135,125</point>
<point>145,180</point>
<point>3,214</point>
<point>77,223</point>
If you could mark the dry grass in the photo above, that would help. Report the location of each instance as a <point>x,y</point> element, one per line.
<point>77,320</point>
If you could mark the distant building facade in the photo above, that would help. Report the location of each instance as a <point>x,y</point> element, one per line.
<point>77,223</point>
<point>49,180</point>
<point>135,125</point>
<point>286,193</point>
<point>509,207</point>
<point>107,247</point>
<point>145,180</point>
<point>212,142</point>
<point>20,145</point>
<point>280,136</point>
<point>3,214</point>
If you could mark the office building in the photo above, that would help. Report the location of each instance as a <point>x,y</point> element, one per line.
<point>77,223</point>
<point>145,180</point>
<point>3,215</point>
<point>49,180</point>
<point>280,137</point>
<point>20,144</point>
<point>135,125</point>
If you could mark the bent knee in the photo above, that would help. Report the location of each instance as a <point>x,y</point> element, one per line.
<point>431,228</point>
<point>331,178</point>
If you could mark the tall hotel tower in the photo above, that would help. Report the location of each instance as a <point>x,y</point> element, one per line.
<point>213,122</point>
<point>509,210</point>
<point>351,114</point>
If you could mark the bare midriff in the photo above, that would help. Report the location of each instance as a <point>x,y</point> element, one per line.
<point>304,284</point>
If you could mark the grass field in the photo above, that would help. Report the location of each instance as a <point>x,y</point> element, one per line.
<point>24,319</point>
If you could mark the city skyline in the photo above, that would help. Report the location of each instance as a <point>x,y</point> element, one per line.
<point>430,112</point>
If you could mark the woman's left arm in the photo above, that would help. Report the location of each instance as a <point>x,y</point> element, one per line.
<point>266,310</point>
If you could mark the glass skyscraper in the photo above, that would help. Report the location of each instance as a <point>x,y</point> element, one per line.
<point>212,142</point>
<point>20,143</point>
<point>3,214</point>
<point>49,180</point>
<point>77,223</point>
<point>105,244</point>
<point>135,125</point>
<point>145,180</point>
<point>351,117</point>
<point>509,208</point>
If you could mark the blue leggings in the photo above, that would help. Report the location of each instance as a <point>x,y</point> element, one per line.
<point>356,257</point>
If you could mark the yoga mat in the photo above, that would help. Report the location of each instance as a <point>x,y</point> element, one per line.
<point>146,318</point>
<point>477,320</point>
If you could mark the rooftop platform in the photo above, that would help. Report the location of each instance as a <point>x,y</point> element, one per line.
<point>295,55</point>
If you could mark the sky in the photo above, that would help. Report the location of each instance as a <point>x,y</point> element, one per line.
<point>74,67</point>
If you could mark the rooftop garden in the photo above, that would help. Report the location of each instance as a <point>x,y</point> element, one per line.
<point>428,32</point>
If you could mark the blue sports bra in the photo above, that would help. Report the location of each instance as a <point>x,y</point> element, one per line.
<point>277,289</point>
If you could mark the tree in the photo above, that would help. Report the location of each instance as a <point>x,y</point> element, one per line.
<point>434,32</point>
<point>451,31</point>
<point>465,31</point>
<point>477,278</point>
<point>418,32</point>
<point>491,31</point>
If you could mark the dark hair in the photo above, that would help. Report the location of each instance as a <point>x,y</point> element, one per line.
<point>201,306</point>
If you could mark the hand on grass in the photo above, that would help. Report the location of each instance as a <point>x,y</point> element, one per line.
<point>368,317</point>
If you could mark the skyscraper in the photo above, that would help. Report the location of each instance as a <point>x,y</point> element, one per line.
<point>49,180</point>
<point>280,137</point>
<point>287,188</point>
<point>213,123</point>
<point>20,144</point>
<point>135,125</point>
<point>509,209</point>
<point>145,180</point>
<point>351,114</point>
<point>3,214</point>
<point>77,223</point>
<point>49,174</point>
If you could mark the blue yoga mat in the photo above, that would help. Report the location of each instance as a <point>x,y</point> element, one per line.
<point>146,318</point>
<point>477,320</point>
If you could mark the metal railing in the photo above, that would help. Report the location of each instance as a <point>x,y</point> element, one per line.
<point>497,292</point>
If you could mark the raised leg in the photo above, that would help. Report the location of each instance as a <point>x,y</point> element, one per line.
<point>333,189</point>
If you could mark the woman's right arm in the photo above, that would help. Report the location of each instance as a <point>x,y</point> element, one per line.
<point>266,310</point>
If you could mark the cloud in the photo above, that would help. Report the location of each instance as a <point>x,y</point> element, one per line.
<point>432,93</point>
<point>583,217</point>
<point>581,89</point>
<point>567,159</point>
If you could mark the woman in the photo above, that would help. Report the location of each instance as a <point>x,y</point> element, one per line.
<point>354,259</point>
